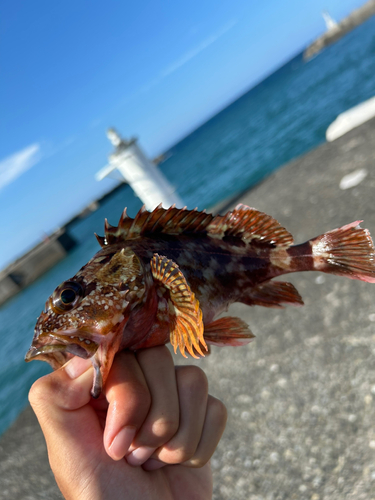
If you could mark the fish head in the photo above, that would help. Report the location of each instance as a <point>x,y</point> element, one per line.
<point>86,315</point>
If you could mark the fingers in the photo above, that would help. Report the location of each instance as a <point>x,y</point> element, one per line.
<point>162,420</point>
<point>143,404</point>
<point>152,413</point>
<point>129,401</point>
<point>159,411</point>
<point>202,423</point>
<point>193,393</point>
<point>213,428</point>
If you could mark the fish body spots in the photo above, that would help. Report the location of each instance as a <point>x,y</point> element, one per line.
<point>279,257</point>
<point>320,254</point>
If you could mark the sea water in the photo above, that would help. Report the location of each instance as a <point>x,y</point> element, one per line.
<point>283,117</point>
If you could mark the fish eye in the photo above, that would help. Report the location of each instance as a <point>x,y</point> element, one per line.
<point>66,296</point>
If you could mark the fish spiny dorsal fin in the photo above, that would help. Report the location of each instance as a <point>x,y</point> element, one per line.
<point>101,240</point>
<point>140,220</point>
<point>109,233</point>
<point>161,217</point>
<point>185,315</point>
<point>249,224</point>
<point>124,217</point>
<point>173,221</point>
<point>243,222</point>
<point>124,224</point>
<point>185,221</point>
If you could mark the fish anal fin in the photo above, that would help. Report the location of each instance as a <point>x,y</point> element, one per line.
<point>185,314</point>
<point>228,331</point>
<point>250,224</point>
<point>272,294</point>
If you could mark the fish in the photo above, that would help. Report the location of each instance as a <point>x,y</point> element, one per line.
<point>166,276</point>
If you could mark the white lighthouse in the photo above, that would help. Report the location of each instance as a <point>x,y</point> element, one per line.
<point>133,167</point>
<point>331,24</point>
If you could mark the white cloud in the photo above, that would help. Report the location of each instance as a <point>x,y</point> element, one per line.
<point>185,58</point>
<point>194,52</point>
<point>15,165</point>
<point>95,123</point>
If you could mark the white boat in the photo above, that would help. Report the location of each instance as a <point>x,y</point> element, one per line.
<point>351,119</point>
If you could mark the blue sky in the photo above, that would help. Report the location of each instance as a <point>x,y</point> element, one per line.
<point>154,69</point>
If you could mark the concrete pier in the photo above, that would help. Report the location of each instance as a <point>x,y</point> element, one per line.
<point>301,397</point>
<point>354,19</point>
<point>34,263</point>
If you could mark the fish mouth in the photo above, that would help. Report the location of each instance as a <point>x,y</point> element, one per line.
<point>56,355</point>
<point>59,348</point>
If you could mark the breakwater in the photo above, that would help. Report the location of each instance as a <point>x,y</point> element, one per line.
<point>33,264</point>
<point>354,19</point>
<point>25,270</point>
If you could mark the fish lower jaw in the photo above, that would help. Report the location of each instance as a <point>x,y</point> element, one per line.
<point>55,355</point>
<point>57,349</point>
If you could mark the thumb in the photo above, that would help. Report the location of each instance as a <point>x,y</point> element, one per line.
<point>69,424</point>
<point>65,389</point>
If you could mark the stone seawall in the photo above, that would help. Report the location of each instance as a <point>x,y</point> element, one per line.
<point>33,264</point>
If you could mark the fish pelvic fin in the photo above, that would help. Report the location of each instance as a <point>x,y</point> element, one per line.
<point>185,314</point>
<point>272,294</point>
<point>346,251</point>
<point>228,331</point>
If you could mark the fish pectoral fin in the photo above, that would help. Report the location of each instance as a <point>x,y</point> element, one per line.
<point>272,294</point>
<point>228,331</point>
<point>185,315</point>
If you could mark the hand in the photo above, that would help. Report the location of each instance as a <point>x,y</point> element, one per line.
<point>158,416</point>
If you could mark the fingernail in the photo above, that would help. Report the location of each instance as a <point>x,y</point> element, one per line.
<point>121,442</point>
<point>76,366</point>
<point>153,464</point>
<point>140,455</point>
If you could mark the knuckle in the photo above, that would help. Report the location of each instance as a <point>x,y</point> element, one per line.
<point>161,353</point>
<point>157,432</point>
<point>165,428</point>
<point>35,394</point>
<point>195,462</point>
<point>40,391</point>
<point>219,410</point>
<point>193,378</point>
<point>183,454</point>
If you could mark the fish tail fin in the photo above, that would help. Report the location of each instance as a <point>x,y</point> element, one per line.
<point>228,331</point>
<point>346,251</point>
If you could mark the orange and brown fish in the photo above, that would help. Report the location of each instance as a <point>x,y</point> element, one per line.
<point>165,275</point>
